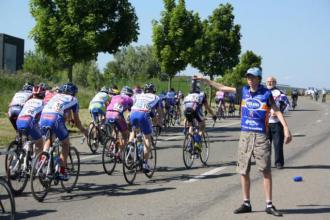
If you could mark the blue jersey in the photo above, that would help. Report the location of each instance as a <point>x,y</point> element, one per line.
<point>255,109</point>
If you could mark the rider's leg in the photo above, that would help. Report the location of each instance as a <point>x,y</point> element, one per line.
<point>65,151</point>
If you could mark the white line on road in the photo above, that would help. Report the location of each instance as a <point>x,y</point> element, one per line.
<point>318,121</point>
<point>208,173</point>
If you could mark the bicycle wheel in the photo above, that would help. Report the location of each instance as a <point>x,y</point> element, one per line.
<point>130,164</point>
<point>12,147</point>
<point>73,169</point>
<point>205,149</point>
<point>92,138</point>
<point>188,151</point>
<point>109,156</point>
<point>16,172</point>
<point>41,176</point>
<point>7,201</point>
<point>152,160</point>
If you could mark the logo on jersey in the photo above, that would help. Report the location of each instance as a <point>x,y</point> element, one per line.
<point>253,104</point>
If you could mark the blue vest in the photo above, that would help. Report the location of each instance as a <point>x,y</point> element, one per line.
<point>255,109</point>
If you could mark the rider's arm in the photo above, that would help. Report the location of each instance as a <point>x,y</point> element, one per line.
<point>78,123</point>
<point>218,86</point>
<point>208,109</point>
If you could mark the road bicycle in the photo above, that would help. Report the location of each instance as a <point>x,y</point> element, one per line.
<point>133,158</point>
<point>195,145</point>
<point>46,169</point>
<point>18,165</point>
<point>98,134</point>
<point>111,154</point>
<point>7,200</point>
<point>221,110</point>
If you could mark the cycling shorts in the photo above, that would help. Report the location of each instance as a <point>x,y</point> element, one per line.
<point>119,119</point>
<point>140,119</point>
<point>192,114</point>
<point>95,113</point>
<point>14,111</point>
<point>30,125</point>
<point>56,123</point>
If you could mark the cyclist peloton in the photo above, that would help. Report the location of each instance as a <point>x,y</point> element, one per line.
<point>30,115</point>
<point>115,111</point>
<point>17,103</point>
<point>193,104</point>
<point>53,117</point>
<point>145,107</point>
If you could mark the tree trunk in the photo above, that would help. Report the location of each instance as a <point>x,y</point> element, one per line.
<point>211,91</point>
<point>169,83</point>
<point>70,67</point>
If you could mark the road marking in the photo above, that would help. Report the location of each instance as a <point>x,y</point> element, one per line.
<point>208,173</point>
<point>89,157</point>
<point>318,121</point>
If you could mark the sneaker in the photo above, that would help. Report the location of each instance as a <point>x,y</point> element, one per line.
<point>145,167</point>
<point>243,209</point>
<point>273,211</point>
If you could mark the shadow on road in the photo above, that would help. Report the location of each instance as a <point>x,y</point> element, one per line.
<point>32,213</point>
<point>306,110</point>
<point>307,210</point>
<point>315,166</point>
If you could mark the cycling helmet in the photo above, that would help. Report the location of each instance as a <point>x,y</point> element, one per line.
<point>38,91</point>
<point>149,88</point>
<point>28,86</point>
<point>69,88</point>
<point>254,71</point>
<point>104,89</point>
<point>127,91</point>
<point>195,86</point>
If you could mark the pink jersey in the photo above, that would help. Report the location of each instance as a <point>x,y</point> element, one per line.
<point>120,103</point>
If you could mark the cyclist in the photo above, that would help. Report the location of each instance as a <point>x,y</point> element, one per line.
<point>30,115</point>
<point>17,103</point>
<point>115,111</point>
<point>193,104</point>
<point>53,116</point>
<point>324,95</point>
<point>294,97</point>
<point>50,93</point>
<point>146,106</point>
<point>170,101</point>
<point>220,101</point>
<point>114,90</point>
<point>231,96</point>
<point>97,106</point>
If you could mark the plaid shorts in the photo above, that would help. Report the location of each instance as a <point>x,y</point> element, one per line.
<point>256,145</point>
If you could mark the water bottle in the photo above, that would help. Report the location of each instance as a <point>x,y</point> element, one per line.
<point>139,145</point>
<point>57,161</point>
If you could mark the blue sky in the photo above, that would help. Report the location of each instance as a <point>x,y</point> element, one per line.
<point>292,36</point>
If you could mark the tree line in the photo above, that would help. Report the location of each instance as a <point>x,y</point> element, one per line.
<point>70,33</point>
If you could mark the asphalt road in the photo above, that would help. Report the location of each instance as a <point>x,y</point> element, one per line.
<point>211,192</point>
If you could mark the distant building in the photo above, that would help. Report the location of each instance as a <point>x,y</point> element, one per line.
<point>11,53</point>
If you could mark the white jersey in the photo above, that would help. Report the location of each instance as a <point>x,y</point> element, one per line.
<point>59,103</point>
<point>145,102</point>
<point>20,98</point>
<point>194,100</point>
<point>32,107</point>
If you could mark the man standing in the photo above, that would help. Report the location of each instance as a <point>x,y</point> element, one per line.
<point>256,104</point>
<point>276,133</point>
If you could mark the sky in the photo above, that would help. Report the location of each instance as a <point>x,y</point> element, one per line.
<point>291,36</point>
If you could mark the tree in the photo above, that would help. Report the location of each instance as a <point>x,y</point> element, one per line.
<point>133,63</point>
<point>236,76</point>
<point>38,63</point>
<point>87,74</point>
<point>218,48</point>
<point>173,36</point>
<point>76,30</point>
